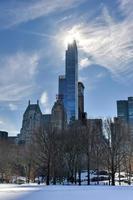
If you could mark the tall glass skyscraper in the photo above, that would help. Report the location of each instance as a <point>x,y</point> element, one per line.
<point>68,84</point>
<point>122,110</point>
<point>125,112</point>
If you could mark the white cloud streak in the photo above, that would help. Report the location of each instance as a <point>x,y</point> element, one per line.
<point>23,11</point>
<point>17,75</point>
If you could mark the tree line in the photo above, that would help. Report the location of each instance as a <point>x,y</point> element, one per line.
<point>61,156</point>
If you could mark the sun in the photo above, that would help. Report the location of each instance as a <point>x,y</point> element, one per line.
<point>69,39</point>
<point>70,36</point>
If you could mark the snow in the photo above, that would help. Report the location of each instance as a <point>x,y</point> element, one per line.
<point>40,192</point>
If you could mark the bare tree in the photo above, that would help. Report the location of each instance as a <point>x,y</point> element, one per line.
<point>88,143</point>
<point>116,140</point>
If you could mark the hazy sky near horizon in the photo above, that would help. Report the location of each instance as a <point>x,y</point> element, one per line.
<point>32,54</point>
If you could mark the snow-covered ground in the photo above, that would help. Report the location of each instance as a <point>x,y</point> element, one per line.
<point>42,192</point>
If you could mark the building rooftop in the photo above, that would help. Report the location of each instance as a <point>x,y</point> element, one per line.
<point>34,107</point>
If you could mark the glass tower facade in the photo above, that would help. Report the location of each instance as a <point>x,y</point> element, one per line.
<point>125,112</point>
<point>68,84</point>
<point>122,110</point>
<point>72,81</point>
<point>130,113</point>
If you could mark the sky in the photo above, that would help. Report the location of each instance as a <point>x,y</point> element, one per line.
<point>33,40</point>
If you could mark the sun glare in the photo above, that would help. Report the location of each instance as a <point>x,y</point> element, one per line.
<point>69,39</point>
<point>71,36</point>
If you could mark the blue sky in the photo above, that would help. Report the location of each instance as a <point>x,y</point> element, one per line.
<point>32,50</point>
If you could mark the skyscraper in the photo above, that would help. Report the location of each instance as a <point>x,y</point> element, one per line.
<point>68,84</point>
<point>122,110</point>
<point>72,81</point>
<point>125,112</point>
<point>130,114</point>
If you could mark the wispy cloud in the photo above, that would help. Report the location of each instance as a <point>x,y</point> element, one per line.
<point>84,62</point>
<point>14,92</point>
<point>12,106</point>
<point>126,7</point>
<point>16,12</point>
<point>45,102</point>
<point>17,75</point>
<point>107,41</point>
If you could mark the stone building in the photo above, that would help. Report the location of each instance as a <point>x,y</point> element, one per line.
<point>10,139</point>
<point>58,116</point>
<point>32,121</point>
<point>46,121</point>
<point>97,125</point>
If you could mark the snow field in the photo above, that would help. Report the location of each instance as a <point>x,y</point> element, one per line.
<point>42,192</point>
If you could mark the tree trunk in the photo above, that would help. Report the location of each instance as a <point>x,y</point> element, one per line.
<point>75,176</point>
<point>88,170</point>
<point>79,176</point>
<point>48,172</point>
<point>28,175</point>
<point>129,182</point>
<point>113,173</point>
<point>119,175</point>
<point>97,168</point>
<point>54,180</point>
<point>113,178</point>
<point>112,168</point>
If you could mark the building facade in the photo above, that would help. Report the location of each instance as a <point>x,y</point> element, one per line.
<point>62,89</point>
<point>80,99</point>
<point>58,116</point>
<point>130,114</point>
<point>32,122</point>
<point>96,124</point>
<point>72,81</point>
<point>68,84</point>
<point>46,121</point>
<point>122,110</point>
<point>125,112</point>
<point>3,135</point>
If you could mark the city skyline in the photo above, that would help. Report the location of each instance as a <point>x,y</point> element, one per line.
<point>33,48</point>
